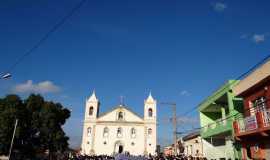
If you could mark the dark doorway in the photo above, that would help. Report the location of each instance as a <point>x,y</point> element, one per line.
<point>120,150</point>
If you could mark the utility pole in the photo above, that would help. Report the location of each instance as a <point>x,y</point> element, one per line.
<point>174,122</point>
<point>11,144</point>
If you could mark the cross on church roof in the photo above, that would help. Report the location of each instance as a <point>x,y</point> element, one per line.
<point>121,100</point>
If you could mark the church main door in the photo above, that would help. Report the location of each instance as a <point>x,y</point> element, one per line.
<point>119,147</point>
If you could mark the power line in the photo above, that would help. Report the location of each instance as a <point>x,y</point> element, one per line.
<point>238,78</point>
<point>237,116</point>
<point>46,36</point>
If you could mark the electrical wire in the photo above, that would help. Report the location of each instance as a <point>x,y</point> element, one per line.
<point>237,117</point>
<point>238,78</point>
<point>46,36</point>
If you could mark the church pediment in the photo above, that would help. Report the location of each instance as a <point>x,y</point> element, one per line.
<point>120,113</point>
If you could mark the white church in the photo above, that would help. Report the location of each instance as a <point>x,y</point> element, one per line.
<point>119,130</point>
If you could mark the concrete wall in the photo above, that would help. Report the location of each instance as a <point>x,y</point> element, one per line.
<point>216,152</point>
<point>126,140</point>
<point>192,146</point>
<point>97,143</point>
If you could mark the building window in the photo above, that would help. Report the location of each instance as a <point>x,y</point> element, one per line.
<point>119,132</point>
<point>104,142</point>
<point>149,131</point>
<point>132,143</point>
<point>88,142</point>
<point>91,110</point>
<point>120,116</point>
<point>259,104</point>
<point>133,133</point>
<point>106,132</point>
<point>150,112</point>
<point>89,129</point>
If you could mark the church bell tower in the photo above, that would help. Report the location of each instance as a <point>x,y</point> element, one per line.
<point>150,120</point>
<point>92,107</point>
<point>89,126</point>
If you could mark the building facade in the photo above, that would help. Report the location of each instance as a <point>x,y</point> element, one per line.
<point>168,150</point>
<point>217,113</point>
<point>119,130</point>
<point>193,145</point>
<point>253,130</point>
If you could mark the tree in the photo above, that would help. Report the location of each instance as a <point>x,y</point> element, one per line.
<point>39,127</point>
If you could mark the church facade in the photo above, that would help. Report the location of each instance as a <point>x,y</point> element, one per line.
<point>119,130</point>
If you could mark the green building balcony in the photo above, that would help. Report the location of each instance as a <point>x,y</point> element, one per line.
<point>218,111</point>
<point>217,128</point>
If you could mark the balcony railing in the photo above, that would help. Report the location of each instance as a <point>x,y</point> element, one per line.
<point>252,123</point>
<point>215,124</point>
<point>219,126</point>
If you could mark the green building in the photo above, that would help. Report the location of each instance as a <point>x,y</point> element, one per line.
<point>217,113</point>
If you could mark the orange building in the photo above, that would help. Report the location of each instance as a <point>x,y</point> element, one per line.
<point>253,130</point>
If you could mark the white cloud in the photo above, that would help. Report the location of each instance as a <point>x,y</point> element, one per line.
<point>184,93</point>
<point>243,36</point>
<point>219,6</point>
<point>41,87</point>
<point>258,38</point>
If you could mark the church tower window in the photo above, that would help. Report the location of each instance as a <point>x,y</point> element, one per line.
<point>120,116</point>
<point>133,133</point>
<point>150,112</point>
<point>149,131</point>
<point>106,132</point>
<point>119,132</point>
<point>89,131</point>
<point>91,110</point>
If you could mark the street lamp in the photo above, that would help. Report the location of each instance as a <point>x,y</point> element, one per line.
<point>6,76</point>
<point>173,105</point>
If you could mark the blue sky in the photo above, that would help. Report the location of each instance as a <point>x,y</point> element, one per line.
<point>180,50</point>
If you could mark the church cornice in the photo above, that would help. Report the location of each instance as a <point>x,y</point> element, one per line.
<point>120,107</point>
<point>120,122</point>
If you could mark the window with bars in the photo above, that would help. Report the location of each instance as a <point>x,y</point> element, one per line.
<point>258,105</point>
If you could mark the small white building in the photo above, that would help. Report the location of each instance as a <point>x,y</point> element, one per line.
<point>193,145</point>
<point>119,130</point>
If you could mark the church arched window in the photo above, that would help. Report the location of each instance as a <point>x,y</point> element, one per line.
<point>91,110</point>
<point>106,132</point>
<point>133,132</point>
<point>120,115</point>
<point>149,131</point>
<point>89,130</point>
<point>150,112</point>
<point>119,132</point>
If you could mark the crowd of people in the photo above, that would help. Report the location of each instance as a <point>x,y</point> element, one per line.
<point>131,157</point>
